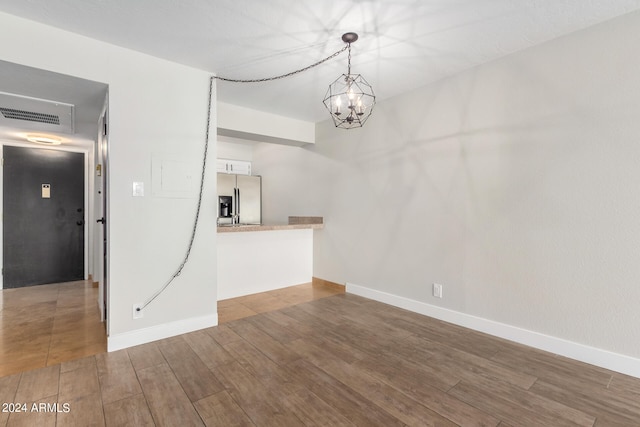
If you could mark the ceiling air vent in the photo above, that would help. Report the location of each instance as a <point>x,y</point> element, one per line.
<point>10,113</point>
<point>29,114</point>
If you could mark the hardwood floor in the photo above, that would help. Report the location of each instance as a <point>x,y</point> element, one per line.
<point>250,305</point>
<point>338,360</point>
<point>48,324</point>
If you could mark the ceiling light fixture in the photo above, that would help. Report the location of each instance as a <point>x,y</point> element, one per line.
<point>349,99</point>
<point>44,139</point>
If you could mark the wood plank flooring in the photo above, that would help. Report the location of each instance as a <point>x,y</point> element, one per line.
<point>48,324</point>
<point>238,308</point>
<point>341,360</point>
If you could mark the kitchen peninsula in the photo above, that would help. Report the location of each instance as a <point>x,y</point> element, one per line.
<point>259,258</point>
<point>293,224</point>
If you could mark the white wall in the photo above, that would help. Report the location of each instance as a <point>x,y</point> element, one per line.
<point>232,122</point>
<point>234,149</point>
<point>259,261</point>
<point>514,184</point>
<point>156,108</point>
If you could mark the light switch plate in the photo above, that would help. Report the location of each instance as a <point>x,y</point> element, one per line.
<point>138,189</point>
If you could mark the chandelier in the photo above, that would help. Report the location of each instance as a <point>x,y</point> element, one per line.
<point>350,98</point>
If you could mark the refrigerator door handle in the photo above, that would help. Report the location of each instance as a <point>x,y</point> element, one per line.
<point>235,200</point>
<point>238,202</point>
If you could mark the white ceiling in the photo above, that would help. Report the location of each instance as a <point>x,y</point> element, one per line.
<point>404,44</point>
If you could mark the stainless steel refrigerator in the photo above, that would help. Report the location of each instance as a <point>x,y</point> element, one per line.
<point>239,199</point>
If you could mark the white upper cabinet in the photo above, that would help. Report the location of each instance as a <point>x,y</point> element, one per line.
<point>238,167</point>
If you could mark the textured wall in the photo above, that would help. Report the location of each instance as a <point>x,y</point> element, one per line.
<point>513,184</point>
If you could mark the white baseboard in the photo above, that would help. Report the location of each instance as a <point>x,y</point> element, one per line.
<point>594,356</point>
<point>154,333</point>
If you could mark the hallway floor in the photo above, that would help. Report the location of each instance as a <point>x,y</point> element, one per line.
<point>49,324</point>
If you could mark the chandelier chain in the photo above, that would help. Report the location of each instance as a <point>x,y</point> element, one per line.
<point>282,76</point>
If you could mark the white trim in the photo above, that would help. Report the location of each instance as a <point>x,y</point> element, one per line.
<point>594,356</point>
<point>88,214</point>
<point>154,333</point>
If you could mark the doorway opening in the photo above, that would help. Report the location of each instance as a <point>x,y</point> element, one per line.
<point>84,143</point>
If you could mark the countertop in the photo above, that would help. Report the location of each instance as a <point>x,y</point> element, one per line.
<point>295,223</point>
<point>268,227</point>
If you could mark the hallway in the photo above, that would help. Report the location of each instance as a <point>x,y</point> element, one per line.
<point>49,324</point>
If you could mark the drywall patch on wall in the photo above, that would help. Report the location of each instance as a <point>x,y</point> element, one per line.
<point>174,177</point>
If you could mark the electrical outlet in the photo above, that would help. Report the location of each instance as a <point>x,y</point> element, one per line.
<point>437,290</point>
<point>137,311</point>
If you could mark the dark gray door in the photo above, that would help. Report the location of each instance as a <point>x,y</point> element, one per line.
<point>43,230</point>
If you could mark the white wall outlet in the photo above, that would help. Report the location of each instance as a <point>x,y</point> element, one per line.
<point>137,311</point>
<point>437,290</point>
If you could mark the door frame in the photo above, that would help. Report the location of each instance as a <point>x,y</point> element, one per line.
<point>101,209</point>
<point>88,205</point>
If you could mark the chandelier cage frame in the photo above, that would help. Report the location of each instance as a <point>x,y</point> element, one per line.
<point>351,91</point>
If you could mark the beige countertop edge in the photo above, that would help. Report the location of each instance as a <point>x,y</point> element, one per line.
<point>267,227</point>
